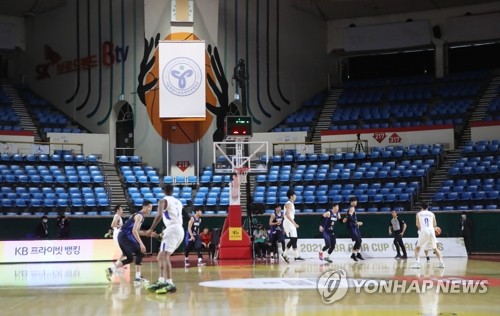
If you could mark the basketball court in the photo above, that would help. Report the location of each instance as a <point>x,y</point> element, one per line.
<point>246,287</point>
<point>234,285</point>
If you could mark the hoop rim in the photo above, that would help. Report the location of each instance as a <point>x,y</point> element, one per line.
<point>241,170</point>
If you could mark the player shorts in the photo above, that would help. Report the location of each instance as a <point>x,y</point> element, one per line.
<point>290,228</point>
<point>426,239</point>
<point>173,236</point>
<point>116,231</point>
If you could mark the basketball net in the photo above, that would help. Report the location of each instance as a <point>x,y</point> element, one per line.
<point>241,173</point>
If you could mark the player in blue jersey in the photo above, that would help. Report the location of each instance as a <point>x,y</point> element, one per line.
<point>131,244</point>
<point>326,228</point>
<point>277,231</point>
<point>353,227</point>
<point>193,238</point>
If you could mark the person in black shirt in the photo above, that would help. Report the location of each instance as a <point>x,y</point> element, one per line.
<point>64,226</point>
<point>42,229</point>
<point>466,231</point>
<point>397,227</point>
<point>353,227</point>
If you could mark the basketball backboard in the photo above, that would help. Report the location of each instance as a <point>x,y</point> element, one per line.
<point>229,155</point>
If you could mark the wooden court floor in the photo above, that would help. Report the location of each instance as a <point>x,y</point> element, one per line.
<point>248,288</point>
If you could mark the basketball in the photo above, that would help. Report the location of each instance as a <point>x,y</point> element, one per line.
<point>438,231</point>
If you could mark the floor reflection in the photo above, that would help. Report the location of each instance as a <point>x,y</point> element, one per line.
<point>83,287</point>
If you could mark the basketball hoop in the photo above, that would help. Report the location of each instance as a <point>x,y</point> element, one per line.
<point>242,172</point>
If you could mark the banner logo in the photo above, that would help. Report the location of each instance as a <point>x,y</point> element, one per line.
<point>182,76</point>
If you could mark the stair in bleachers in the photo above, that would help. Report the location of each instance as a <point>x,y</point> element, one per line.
<point>19,107</point>
<point>489,94</point>
<point>441,174</point>
<point>473,182</point>
<point>117,196</point>
<point>324,120</point>
<point>479,111</point>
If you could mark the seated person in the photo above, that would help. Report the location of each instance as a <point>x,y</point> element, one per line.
<point>261,241</point>
<point>206,242</point>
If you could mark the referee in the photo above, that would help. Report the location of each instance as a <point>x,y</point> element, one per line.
<point>397,228</point>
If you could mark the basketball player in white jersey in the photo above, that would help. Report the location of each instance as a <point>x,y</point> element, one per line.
<point>170,210</point>
<point>426,224</point>
<point>290,227</point>
<point>116,225</point>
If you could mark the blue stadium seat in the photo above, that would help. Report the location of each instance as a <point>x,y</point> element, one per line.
<point>36,202</point>
<point>192,180</point>
<point>217,179</point>
<point>92,159</point>
<point>76,202</point>
<point>466,195</point>
<point>122,159</point>
<point>49,202</point>
<point>62,202</point>
<point>211,201</point>
<point>403,197</point>
<point>451,196</point>
<point>7,203</point>
<point>479,195</point>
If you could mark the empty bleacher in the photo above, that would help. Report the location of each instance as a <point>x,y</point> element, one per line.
<point>385,178</point>
<point>474,181</point>
<point>46,184</point>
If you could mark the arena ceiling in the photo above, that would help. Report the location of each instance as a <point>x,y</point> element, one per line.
<point>326,9</point>
<point>28,7</point>
<point>348,9</point>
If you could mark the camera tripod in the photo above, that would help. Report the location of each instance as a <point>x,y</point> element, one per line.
<point>359,146</point>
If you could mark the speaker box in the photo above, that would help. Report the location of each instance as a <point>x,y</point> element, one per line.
<point>436,31</point>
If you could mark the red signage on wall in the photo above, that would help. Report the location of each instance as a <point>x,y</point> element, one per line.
<point>395,138</point>
<point>379,137</point>
<point>110,54</point>
<point>183,164</point>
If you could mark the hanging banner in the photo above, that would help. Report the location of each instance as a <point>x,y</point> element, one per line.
<point>182,79</point>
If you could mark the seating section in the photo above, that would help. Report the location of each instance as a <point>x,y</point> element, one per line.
<point>407,101</point>
<point>41,184</point>
<point>304,118</point>
<point>382,179</point>
<point>385,178</point>
<point>474,181</point>
<point>493,110</point>
<point>47,118</point>
<point>144,183</point>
